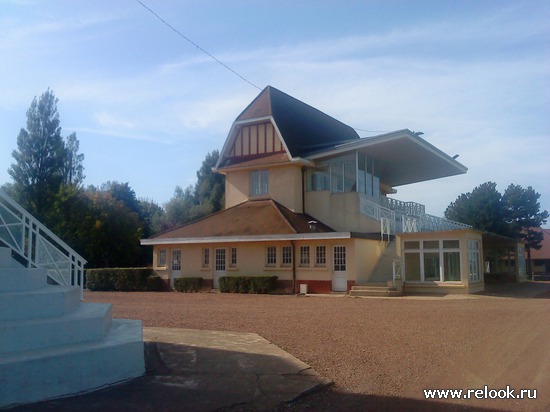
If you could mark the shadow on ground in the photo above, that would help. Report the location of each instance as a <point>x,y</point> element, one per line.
<point>525,290</point>
<point>331,399</point>
<point>244,370</point>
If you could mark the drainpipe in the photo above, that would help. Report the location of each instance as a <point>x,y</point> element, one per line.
<point>304,183</point>
<point>293,267</point>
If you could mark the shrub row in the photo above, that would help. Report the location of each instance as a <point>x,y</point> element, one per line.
<point>123,279</point>
<point>248,284</point>
<point>187,284</point>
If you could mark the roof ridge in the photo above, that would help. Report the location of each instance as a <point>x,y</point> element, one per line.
<point>277,206</point>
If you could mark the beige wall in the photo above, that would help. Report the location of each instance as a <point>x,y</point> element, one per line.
<point>374,256</point>
<point>251,259</point>
<point>285,186</point>
<point>340,211</point>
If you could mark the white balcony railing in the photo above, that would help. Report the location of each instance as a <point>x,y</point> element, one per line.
<point>35,245</point>
<point>405,217</point>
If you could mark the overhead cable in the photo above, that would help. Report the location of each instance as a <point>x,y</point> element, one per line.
<point>195,44</point>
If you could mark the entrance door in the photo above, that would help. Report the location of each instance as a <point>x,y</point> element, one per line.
<point>340,274</point>
<point>219,267</point>
<point>175,266</point>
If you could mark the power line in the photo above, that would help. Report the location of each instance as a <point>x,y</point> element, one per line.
<point>195,44</point>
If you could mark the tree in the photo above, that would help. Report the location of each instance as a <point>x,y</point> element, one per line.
<point>178,209</point>
<point>73,172</point>
<point>515,214</point>
<point>43,161</point>
<point>523,215</point>
<point>210,187</point>
<point>39,160</point>
<point>195,202</point>
<point>480,208</point>
<point>114,234</point>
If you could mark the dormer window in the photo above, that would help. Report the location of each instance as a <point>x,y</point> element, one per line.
<point>259,183</point>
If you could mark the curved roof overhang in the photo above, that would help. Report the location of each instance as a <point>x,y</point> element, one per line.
<point>403,157</point>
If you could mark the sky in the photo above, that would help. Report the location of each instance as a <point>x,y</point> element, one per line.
<point>147,105</point>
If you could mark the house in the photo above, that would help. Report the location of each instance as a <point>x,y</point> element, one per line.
<point>540,259</point>
<point>309,201</point>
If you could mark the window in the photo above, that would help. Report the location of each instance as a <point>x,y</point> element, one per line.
<point>320,180</point>
<point>304,255</point>
<point>432,260</point>
<point>176,259</point>
<point>162,258</point>
<point>233,257</point>
<point>220,260</point>
<point>337,177</point>
<point>412,267</point>
<point>474,261</point>
<point>320,256</point>
<point>271,256</point>
<point>206,257</point>
<point>259,182</point>
<point>451,266</point>
<point>286,255</point>
<point>339,258</point>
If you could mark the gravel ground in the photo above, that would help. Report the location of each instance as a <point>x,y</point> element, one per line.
<point>382,352</point>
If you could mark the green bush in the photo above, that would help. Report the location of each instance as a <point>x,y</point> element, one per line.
<point>263,284</point>
<point>248,284</point>
<point>122,279</point>
<point>188,284</point>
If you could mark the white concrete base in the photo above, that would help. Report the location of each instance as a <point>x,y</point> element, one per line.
<point>52,345</point>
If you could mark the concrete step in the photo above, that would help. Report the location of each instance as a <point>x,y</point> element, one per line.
<point>370,286</point>
<point>21,279</point>
<point>47,302</point>
<point>374,290</point>
<point>90,322</point>
<point>37,375</point>
<point>6,261</point>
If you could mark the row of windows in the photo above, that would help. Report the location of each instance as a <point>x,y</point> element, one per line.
<point>272,253</point>
<point>175,263</point>
<point>305,258</point>
<point>220,258</point>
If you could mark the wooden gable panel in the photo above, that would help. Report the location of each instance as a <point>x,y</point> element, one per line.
<point>256,139</point>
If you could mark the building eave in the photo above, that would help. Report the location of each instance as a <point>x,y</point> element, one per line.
<point>241,239</point>
<point>403,156</point>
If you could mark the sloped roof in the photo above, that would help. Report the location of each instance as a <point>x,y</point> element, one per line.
<point>304,128</point>
<point>251,218</point>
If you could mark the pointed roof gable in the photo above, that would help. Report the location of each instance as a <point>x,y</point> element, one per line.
<point>303,128</point>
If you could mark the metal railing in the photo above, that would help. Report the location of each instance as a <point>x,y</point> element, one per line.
<point>403,208</point>
<point>376,211</point>
<point>433,223</point>
<point>397,270</point>
<point>35,245</point>
<point>405,217</point>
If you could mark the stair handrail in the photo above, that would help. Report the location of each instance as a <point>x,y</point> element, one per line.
<point>397,268</point>
<point>37,246</point>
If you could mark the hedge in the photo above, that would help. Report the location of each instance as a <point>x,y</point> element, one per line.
<point>123,279</point>
<point>188,284</point>
<point>248,284</point>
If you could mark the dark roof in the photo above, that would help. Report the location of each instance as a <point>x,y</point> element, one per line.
<point>251,218</point>
<point>304,129</point>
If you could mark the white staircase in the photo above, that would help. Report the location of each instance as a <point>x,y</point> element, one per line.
<point>52,345</point>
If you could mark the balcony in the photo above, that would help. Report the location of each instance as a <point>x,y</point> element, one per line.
<point>397,216</point>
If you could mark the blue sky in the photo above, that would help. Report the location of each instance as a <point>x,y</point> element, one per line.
<point>147,105</point>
